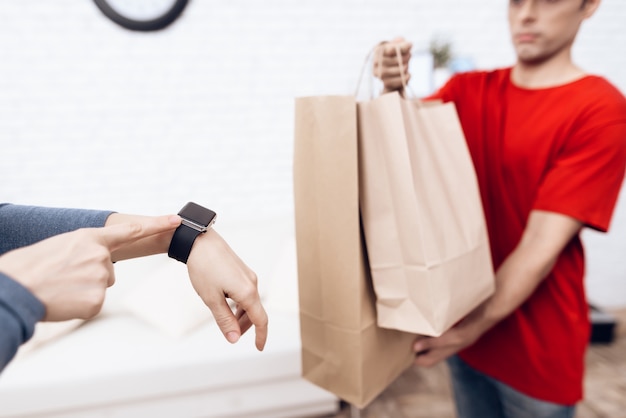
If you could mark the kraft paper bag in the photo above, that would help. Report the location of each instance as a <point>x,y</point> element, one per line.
<point>343,349</point>
<point>422,215</point>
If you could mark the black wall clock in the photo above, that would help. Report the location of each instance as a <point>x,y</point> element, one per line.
<point>142,15</point>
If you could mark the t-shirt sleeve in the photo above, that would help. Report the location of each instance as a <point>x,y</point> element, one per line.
<point>25,225</point>
<point>20,310</point>
<point>586,178</point>
<point>447,92</point>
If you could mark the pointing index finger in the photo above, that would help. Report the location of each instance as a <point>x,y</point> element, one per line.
<point>116,236</point>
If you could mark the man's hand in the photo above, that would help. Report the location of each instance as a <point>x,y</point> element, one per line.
<point>543,240</point>
<point>217,273</point>
<point>431,350</point>
<point>69,273</point>
<point>387,67</point>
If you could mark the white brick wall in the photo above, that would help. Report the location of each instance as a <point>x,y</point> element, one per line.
<point>95,116</point>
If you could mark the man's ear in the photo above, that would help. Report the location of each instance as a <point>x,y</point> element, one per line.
<point>590,7</point>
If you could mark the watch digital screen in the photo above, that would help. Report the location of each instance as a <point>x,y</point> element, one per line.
<point>197,214</point>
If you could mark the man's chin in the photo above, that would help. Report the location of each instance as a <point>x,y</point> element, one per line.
<point>531,59</point>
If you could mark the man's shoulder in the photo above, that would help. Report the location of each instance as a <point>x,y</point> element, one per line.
<point>599,81</point>
<point>497,74</point>
<point>596,95</point>
<point>472,85</point>
<point>602,87</point>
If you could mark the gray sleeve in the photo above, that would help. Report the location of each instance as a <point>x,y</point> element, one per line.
<point>20,310</point>
<point>24,225</point>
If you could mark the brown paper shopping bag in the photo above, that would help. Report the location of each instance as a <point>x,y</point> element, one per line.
<point>422,215</point>
<point>343,349</point>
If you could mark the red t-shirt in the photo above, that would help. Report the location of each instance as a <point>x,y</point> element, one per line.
<point>560,149</point>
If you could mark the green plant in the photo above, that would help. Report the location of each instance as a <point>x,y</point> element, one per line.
<point>441,51</point>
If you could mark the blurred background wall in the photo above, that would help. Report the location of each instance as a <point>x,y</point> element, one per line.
<point>95,116</point>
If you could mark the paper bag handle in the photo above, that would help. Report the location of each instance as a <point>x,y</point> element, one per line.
<point>367,61</point>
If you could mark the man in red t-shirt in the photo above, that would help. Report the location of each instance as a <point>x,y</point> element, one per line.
<point>548,142</point>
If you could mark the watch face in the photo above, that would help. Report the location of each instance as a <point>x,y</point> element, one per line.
<point>197,214</point>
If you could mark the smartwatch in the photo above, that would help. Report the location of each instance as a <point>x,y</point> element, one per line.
<point>196,220</point>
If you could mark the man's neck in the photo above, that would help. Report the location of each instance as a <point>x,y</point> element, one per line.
<point>553,72</point>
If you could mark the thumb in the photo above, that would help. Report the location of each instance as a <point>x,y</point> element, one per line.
<point>399,42</point>
<point>391,47</point>
<point>226,321</point>
<point>116,236</point>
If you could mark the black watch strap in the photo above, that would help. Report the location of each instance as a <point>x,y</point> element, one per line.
<point>181,243</point>
<point>196,220</point>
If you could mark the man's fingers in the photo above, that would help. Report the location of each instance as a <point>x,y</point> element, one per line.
<point>394,83</point>
<point>426,360</point>
<point>392,61</point>
<point>389,49</point>
<point>424,344</point>
<point>116,236</point>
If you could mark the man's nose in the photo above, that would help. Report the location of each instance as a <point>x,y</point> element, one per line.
<point>527,11</point>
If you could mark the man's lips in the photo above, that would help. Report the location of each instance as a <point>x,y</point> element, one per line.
<point>526,37</point>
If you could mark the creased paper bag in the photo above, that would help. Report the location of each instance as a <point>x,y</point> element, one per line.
<point>343,349</point>
<point>422,215</point>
